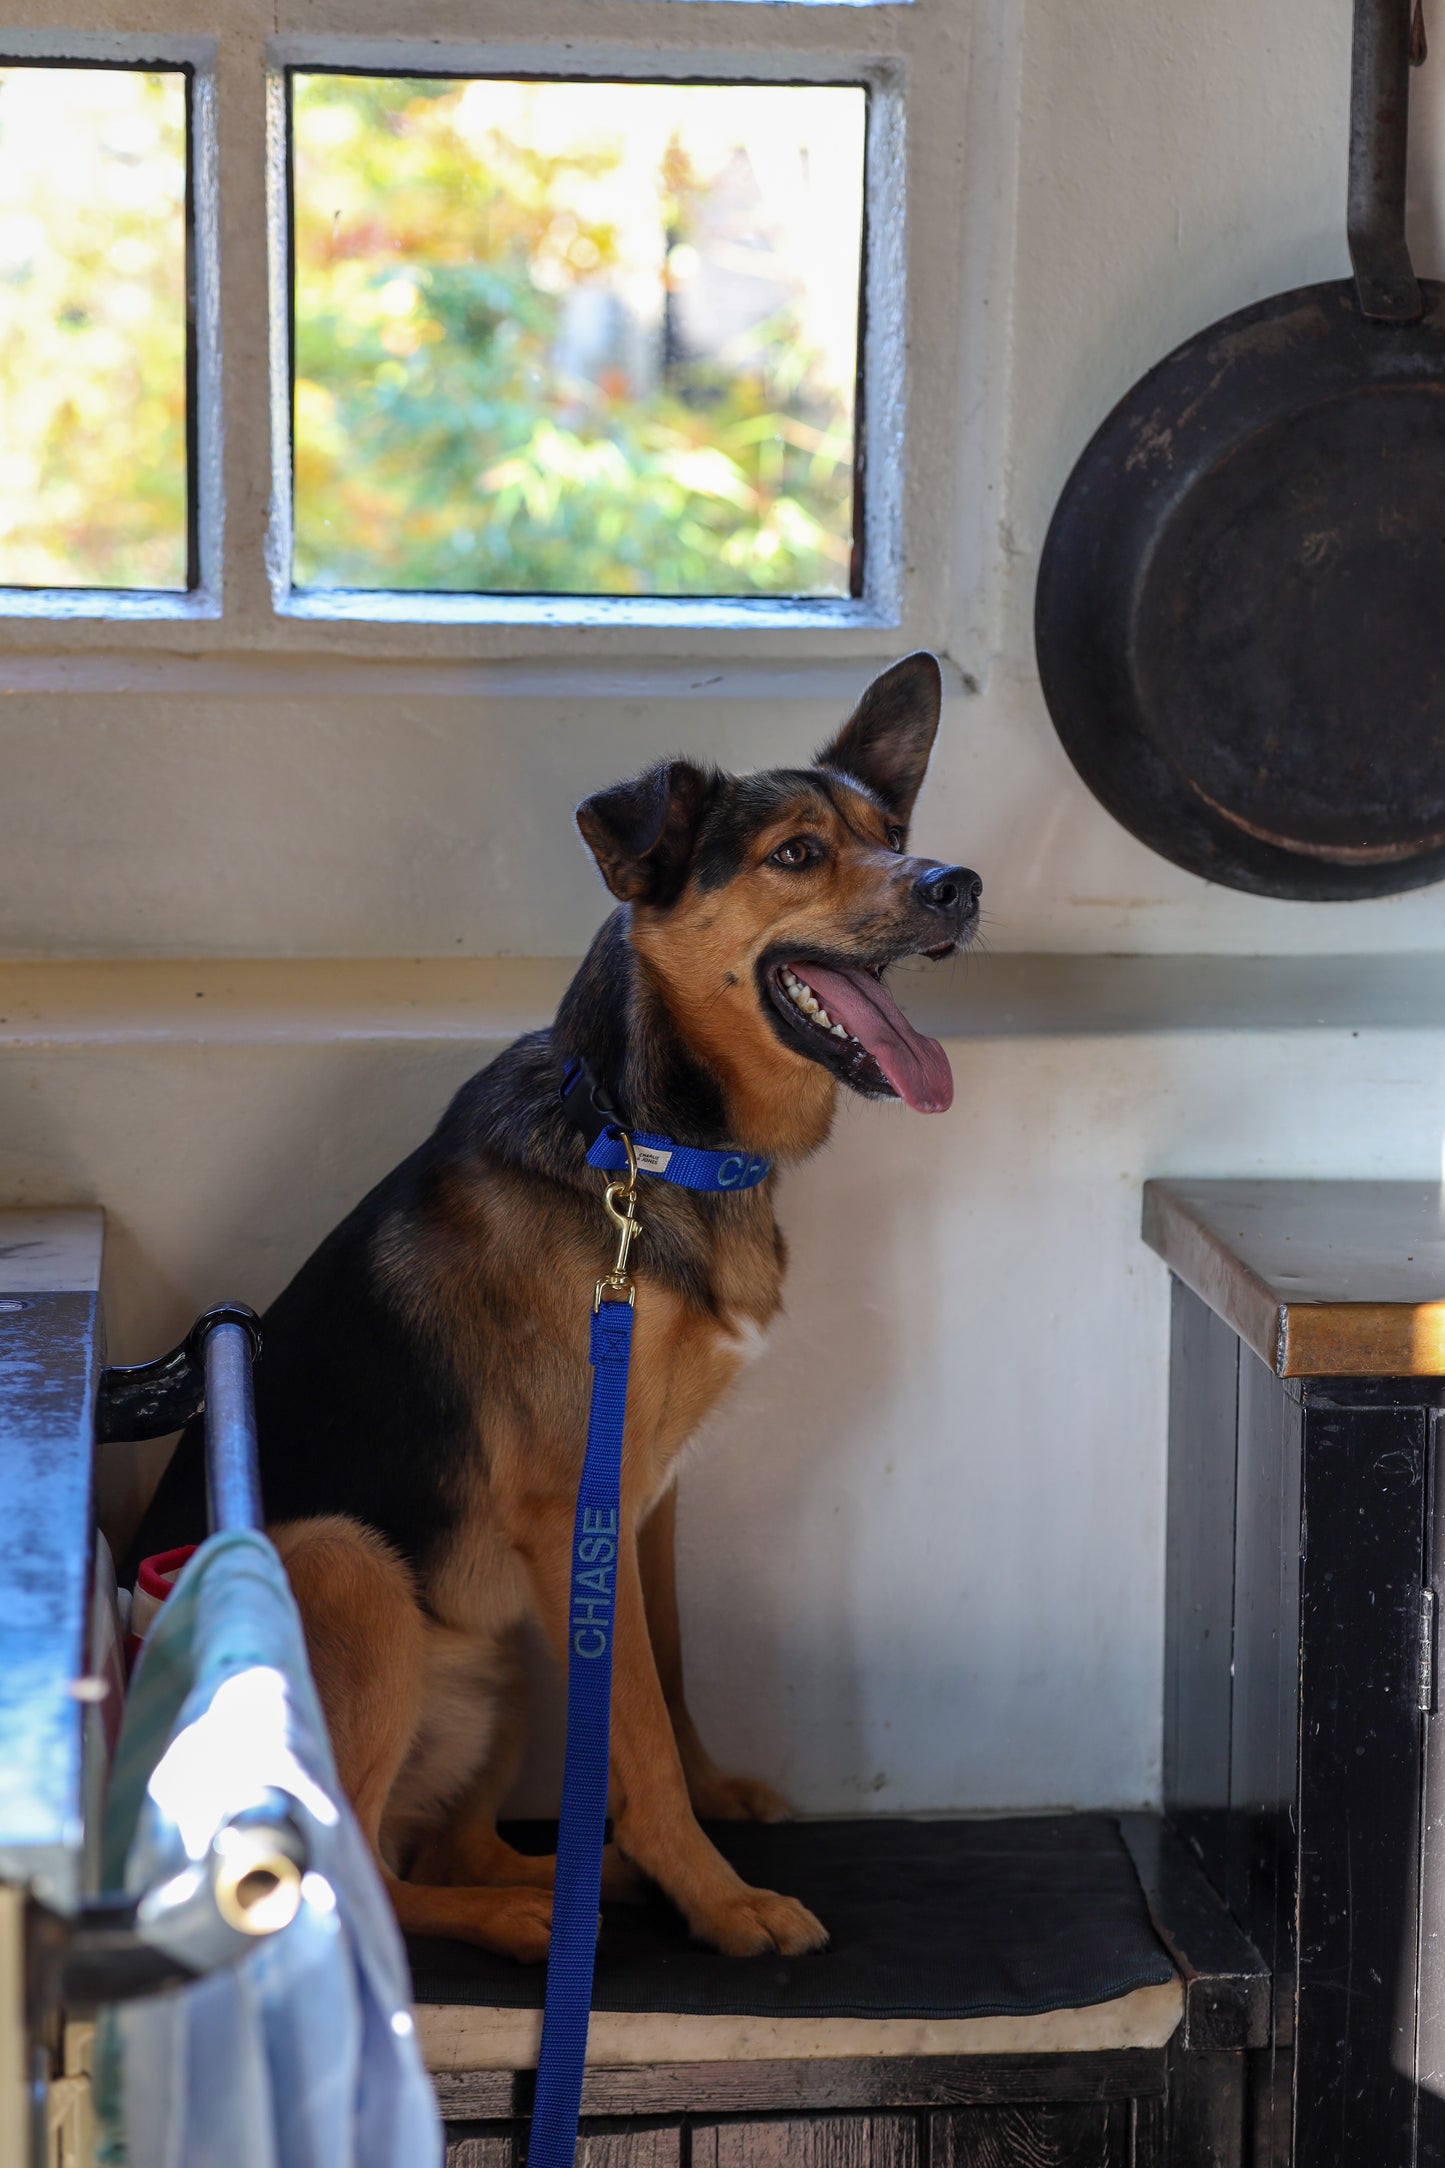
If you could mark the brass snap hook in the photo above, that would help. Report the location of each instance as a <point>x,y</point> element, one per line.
<point>620,1199</point>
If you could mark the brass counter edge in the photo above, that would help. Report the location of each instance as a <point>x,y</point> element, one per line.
<point>1296,1339</point>
<point>1195,1255</point>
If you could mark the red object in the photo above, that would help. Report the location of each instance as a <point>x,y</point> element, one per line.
<point>154,1581</point>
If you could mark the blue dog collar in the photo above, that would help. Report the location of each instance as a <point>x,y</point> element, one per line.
<point>688,1165</point>
<point>685,1164</point>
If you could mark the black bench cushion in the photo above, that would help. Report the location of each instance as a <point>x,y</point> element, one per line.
<point>929,1919</point>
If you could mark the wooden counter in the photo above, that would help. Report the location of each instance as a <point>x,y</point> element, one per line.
<point>1321,1279</point>
<point>1304,1757</point>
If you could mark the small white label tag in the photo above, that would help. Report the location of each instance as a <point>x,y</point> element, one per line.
<point>650,1159</point>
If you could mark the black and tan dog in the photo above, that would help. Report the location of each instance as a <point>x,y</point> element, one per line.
<point>423,1393</point>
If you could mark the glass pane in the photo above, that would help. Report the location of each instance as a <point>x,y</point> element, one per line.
<point>92,328</point>
<point>576,338</point>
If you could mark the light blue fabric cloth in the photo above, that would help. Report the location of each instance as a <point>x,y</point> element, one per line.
<point>303,2054</point>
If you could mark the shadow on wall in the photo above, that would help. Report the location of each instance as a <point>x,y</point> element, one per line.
<point>219,1168</point>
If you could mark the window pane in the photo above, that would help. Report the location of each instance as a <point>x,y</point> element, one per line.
<point>93,358</point>
<point>576,338</point>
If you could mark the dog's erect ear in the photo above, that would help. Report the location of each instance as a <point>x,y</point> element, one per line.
<point>642,833</point>
<point>886,741</point>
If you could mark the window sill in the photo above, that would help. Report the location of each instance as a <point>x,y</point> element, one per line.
<point>680,614</point>
<point>121,606</point>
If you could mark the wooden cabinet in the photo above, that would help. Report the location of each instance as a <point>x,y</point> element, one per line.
<point>1109,2133</point>
<point>1302,1754</point>
<point>1149,2077</point>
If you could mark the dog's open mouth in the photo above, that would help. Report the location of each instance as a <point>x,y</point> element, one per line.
<point>843,1016</point>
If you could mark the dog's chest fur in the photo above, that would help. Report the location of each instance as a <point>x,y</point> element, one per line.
<point>503,1270</point>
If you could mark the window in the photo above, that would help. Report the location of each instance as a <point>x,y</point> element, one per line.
<point>94,349</point>
<point>606,337</point>
<point>582,337</point>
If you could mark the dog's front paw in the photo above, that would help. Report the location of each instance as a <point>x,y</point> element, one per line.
<point>716,1798</point>
<point>526,1932</point>
<point>759,1920</point>
<point>512,1922</point>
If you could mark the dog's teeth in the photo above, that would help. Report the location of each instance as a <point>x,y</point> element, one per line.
<point>802,997</point>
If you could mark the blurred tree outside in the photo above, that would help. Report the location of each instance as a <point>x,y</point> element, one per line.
<point>528,350</point>
<point>93,460</point>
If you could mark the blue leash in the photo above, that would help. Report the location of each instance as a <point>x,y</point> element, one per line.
<point>584,1784</point>
<point>596,1534</point>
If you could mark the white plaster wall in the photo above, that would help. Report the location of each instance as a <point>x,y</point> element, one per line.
<point>922,1547</point>
<point>924,1550</point>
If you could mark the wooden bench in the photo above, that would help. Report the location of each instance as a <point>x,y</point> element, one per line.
<point>1060,1990</point>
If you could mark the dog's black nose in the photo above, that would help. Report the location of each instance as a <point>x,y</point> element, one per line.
<point>952,891</point>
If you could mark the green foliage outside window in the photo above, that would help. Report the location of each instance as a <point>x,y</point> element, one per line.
<point>92,328</point>
<point>441,439</point>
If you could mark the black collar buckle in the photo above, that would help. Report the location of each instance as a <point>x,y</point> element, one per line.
<point>587,1103</point>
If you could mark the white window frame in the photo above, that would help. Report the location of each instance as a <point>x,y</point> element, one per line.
<point>938,259</point>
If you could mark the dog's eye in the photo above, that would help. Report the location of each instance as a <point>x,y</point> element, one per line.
<point>797,851</point>
<point>895,837</point>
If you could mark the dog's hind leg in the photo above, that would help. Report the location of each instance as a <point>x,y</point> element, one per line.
<point>653,1818</point>
<point>366,1638</point>
<point>468,1848</point>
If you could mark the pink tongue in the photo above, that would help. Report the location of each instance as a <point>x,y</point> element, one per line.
<point>916,1067</point>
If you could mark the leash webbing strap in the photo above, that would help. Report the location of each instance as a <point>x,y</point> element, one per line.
<point>592,1599</point>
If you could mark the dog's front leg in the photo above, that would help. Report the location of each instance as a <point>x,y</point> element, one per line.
<point>653,1822</point>
<point>714,1795</point>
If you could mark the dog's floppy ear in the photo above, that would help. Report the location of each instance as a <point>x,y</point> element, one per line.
<point>886,741</point>
<point>642,833</point>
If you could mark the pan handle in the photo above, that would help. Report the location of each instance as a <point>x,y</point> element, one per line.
<point>1385,280</point>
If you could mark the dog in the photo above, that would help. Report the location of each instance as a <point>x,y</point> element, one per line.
<point>422,1397</point>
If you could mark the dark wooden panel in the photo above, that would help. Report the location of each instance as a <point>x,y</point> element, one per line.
<point>1205,2114</point>
<point>479,2148</point>
<point>1430,2047</point>
<point>1266,1606</point>
<point>1359,1783</point>
<point>615,2145</point>
<point>827,2141</point>
<point>1269,2108</point>
<point>1199,1616</point>
<point>1094,2136</point>
<point>1149,2134</point>
<point>1226,1981</point>
<point>872,2082</point>
<point>1265,1729</point>
<point>639,2145</point>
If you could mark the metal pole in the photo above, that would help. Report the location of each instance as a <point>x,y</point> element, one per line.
<point>233,1476</point>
